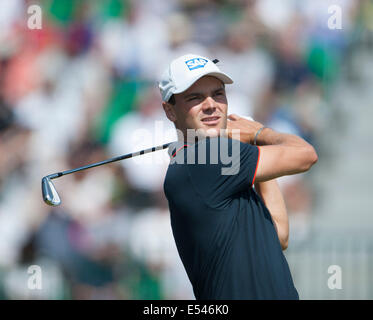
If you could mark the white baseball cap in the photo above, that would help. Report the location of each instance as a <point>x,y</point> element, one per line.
<point>186,70</point>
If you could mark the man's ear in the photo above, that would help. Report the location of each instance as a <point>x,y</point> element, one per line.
<point>169,110</point>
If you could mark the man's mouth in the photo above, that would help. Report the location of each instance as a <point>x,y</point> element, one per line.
<point>211,121</point>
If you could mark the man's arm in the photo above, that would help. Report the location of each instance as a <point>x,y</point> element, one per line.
<point>281,154</point>
<point>272,197</point>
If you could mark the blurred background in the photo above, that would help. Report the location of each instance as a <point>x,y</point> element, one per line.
<point>83,88</point>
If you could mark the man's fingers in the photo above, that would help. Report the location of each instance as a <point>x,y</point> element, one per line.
<point>248,118</point>
<point>233,117</point>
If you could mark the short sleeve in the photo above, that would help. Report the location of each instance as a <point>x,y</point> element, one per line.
<point>229,168</point>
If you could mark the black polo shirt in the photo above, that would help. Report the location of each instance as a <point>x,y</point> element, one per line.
<point>224,233</point>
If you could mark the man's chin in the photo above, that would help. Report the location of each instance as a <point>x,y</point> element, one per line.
<point>202,133</point>
<point>213,132</point>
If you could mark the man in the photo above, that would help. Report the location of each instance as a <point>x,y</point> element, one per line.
<point>229,235</point>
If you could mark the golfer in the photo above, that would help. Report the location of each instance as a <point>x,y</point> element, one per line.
<point>230,226</point>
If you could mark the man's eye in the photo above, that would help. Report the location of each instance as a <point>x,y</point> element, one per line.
<point>193,98</point>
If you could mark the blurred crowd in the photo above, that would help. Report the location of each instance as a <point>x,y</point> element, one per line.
<point>83,88</point>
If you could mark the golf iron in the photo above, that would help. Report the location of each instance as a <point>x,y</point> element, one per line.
<point>50,195</point>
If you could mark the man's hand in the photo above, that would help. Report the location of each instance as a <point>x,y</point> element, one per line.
<point>248,129</point>
<point>281,154</point>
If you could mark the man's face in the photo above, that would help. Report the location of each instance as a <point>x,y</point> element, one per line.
<point>203,106</point>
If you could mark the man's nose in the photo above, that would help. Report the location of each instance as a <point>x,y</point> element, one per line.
<point>209,104</point>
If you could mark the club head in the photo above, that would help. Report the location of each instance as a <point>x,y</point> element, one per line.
<point>50,195</point>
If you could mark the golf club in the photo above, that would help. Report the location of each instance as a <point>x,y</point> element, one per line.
<point>50,195</point>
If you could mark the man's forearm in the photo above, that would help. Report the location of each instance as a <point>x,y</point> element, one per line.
<point>270,137</point>
<point>272,197</point>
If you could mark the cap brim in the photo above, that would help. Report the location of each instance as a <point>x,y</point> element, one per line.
<point>220,75</point>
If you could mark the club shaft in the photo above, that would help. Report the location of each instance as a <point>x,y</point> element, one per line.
<point>126,156</point>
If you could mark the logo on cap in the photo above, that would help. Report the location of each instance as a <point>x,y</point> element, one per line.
<point>196,63</point>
